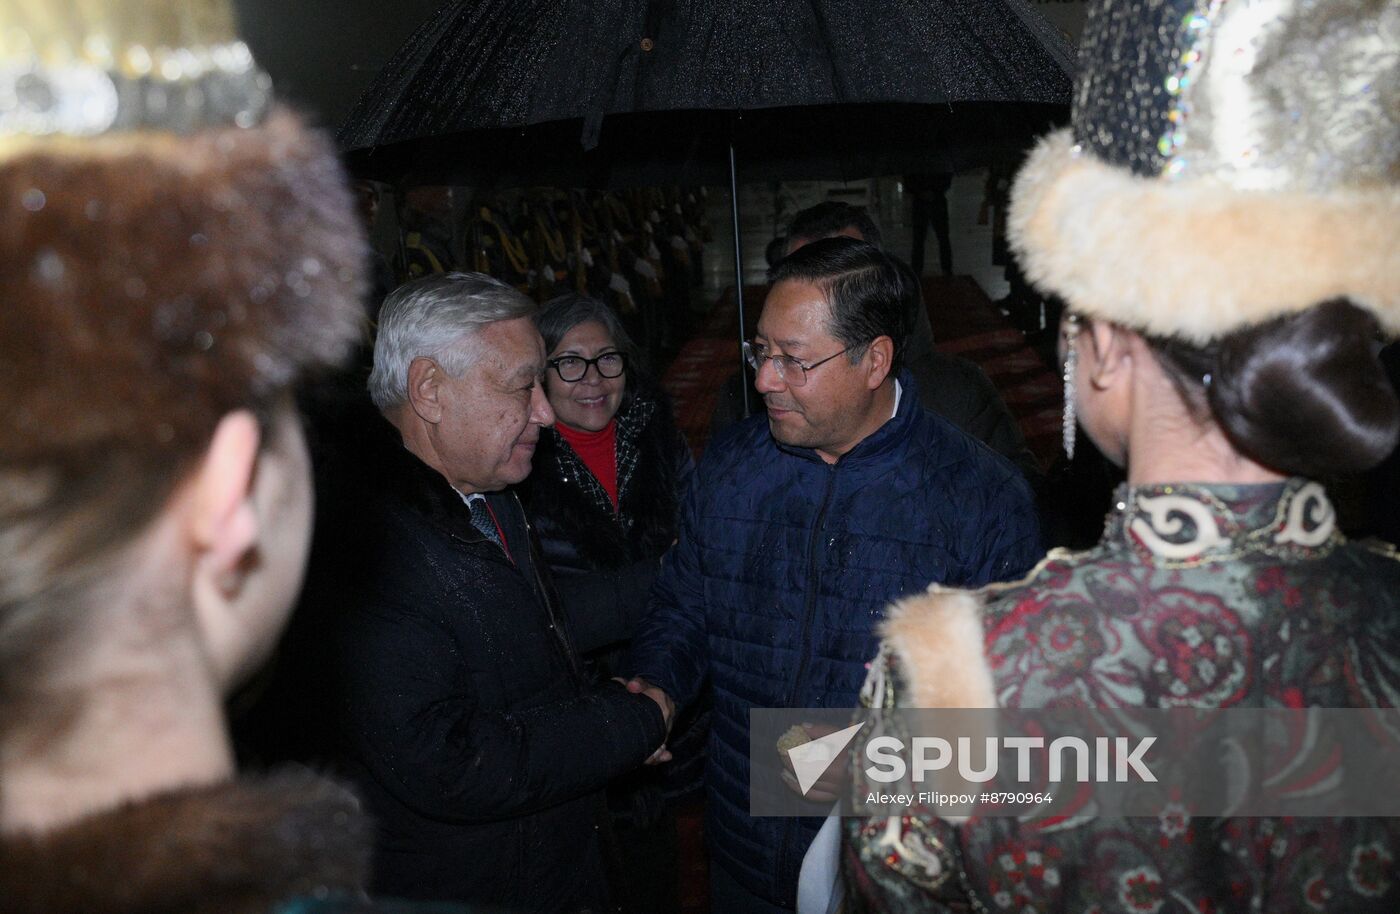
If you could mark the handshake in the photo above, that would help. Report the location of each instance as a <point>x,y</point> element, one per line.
<point>664,702</point>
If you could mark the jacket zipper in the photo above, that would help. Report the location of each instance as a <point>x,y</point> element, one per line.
<point>555,622</point>
<point>813,587</point>
<point>790,826</point>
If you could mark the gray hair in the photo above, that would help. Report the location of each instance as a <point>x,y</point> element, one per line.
<point>563,313</point>
<point>436,317</point>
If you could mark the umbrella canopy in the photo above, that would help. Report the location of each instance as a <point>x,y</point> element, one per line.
<point>942,75</point>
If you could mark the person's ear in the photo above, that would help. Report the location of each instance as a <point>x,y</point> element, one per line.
<point>425,378</point>
<point>247,512</point>
<point>223,524</point>
<point>879,360</point>
<point>222,527</point>
<point>1111,348</point>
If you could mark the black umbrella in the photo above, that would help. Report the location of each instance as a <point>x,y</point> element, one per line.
<point>631,91</point>
<point>480,64</point>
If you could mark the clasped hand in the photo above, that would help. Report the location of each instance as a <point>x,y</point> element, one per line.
<point>638,686</point>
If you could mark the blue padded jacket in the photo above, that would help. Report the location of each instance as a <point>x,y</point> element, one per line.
<point>782,570</point>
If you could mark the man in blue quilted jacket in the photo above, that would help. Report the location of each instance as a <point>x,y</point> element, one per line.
<point>802,525</point>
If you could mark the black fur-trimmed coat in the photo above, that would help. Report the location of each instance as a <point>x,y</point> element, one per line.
<point>603,562</point>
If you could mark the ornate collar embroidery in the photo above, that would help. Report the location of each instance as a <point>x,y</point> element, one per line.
<point>1188,524</point>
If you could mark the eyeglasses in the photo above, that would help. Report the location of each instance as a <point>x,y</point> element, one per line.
<point>572,368</point>
<point>790,371</point>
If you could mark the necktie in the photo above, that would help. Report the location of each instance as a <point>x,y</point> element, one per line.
<point>484,523</point>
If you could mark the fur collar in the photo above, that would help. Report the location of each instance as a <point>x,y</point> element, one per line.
<point>236,847</point>
<point>566,501</point>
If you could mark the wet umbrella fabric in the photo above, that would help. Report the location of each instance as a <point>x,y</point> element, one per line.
<point>483,65</point>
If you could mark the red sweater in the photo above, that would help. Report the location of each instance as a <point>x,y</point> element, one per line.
<point>598,451</point>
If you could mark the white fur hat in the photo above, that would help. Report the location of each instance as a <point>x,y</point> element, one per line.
<point>1228,162</point>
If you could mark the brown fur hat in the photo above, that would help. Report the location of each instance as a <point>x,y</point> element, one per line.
<point>155,282</point>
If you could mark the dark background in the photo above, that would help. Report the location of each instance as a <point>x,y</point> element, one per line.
<point>322,54</point>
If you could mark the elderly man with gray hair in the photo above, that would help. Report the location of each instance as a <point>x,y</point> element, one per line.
<point>461,707</point>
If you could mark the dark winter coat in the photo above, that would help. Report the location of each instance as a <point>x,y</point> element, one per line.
<point>960,391</point>
<point>785,565</point>
<point>603,560</point>
<point>459,703</point>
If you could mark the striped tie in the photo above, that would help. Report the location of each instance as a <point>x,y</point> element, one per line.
<point>484,523</point>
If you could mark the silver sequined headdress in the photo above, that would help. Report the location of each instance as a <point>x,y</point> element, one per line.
<point>1228,161</point>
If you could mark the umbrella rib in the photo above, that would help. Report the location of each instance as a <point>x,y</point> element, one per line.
<point>838,84</point>
<point>1046,34</point>
<point>974,43</point>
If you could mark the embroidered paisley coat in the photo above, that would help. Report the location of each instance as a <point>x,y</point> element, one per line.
<point>1196,596</point>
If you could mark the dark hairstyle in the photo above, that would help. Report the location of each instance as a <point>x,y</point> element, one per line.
<point>776,250</point>
<point>563,313</point>
<point>867,293</point>
<point>1303,394</point>
<point>826,220</point>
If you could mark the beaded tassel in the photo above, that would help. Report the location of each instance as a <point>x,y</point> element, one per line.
<point>1068,421</point>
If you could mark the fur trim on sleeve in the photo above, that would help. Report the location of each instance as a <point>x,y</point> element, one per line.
<point>938,640</point>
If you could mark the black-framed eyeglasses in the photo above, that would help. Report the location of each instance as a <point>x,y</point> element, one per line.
<point>572,368</point>
<point>790,370</point>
